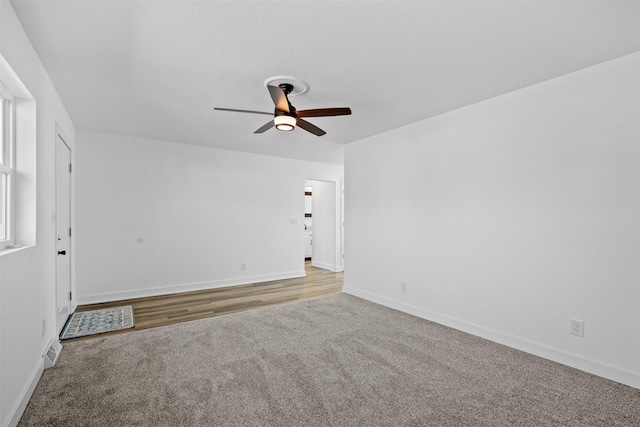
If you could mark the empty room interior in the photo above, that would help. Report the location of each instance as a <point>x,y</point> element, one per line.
<point>418,213</point>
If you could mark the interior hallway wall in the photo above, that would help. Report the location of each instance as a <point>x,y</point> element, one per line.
<point>157,217</point>
<point>27,275</point>
<point>510,217</point>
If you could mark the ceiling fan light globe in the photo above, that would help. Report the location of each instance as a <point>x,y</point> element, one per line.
<point>284,127</point>
<point>284,123</point>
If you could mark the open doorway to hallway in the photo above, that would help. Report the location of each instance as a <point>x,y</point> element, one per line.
<point>323,224</point>
<point>308,221</point>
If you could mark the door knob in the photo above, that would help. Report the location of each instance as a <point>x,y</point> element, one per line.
<point>62,252</point>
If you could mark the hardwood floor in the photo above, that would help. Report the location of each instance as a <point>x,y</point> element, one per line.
<point>163,310</point>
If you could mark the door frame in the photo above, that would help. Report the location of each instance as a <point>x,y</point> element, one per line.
<point>337,236</point>
<point>305,218</point>
<point>63,138</point>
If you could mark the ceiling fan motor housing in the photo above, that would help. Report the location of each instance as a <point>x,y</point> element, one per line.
<point>292,112</point>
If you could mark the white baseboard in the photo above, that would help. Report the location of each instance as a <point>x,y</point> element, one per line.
<point>186,287</point>
<point>582,363</point>
<point>18,409</point>
<point>325,266</point>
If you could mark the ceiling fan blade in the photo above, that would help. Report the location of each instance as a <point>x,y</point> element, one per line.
<point>243,111</point>
<point>279,98</point>
<point>309,127</point>
<point>266,127</point>
<point>325,112</point>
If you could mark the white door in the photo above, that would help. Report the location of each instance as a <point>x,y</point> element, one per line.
<point>63,232</point>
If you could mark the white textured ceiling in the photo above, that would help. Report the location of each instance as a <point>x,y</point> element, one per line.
<point>156,69</point>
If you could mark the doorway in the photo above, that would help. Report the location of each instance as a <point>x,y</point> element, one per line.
<point>323,220</point>
<point>308,222</point>
<point>63,231</point>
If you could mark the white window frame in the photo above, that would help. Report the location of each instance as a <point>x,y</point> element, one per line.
<point>7,163</point>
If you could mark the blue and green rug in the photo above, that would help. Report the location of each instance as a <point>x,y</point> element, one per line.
<point>83,323</point>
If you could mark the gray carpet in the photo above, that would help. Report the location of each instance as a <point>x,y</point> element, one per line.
<point>336,361</point>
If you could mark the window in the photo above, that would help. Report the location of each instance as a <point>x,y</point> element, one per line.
<point>7,171</point>
<point>18,149</point>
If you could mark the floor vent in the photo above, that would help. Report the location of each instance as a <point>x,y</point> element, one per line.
<point>52,353</point>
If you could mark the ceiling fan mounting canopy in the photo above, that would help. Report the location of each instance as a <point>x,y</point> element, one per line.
<point>285,115</point>
<point>299,85</point>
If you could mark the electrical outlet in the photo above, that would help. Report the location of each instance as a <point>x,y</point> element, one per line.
<point>576,327</point>
<point>243,267</point>
<point>44,327</point>
<point>403,287</point>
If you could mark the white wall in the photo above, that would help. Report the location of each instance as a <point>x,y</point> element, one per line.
<point>27,275</point>
<point>509,217</point>
<point>200,213</point>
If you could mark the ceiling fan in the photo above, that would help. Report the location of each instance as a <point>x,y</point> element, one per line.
<point>286,117</point>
